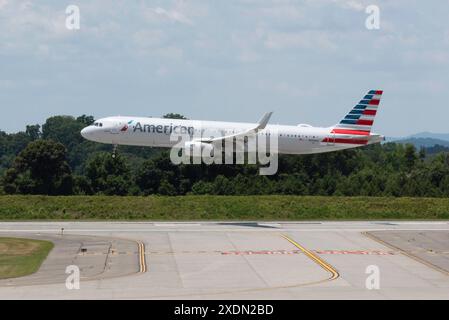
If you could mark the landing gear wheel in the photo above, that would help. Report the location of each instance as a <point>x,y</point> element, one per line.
<point>114,151</point>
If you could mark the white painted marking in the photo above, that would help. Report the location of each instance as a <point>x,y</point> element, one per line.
<point>420,223</point>
<point>71,231</point>
<point>177,224</point>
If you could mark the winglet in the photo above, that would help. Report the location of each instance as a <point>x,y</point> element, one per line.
<point>264,121</point>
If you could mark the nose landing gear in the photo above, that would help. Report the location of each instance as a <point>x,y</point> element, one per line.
<point>114,151</point>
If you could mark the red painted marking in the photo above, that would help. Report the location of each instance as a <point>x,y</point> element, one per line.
<point>365,122</point>
<point>291,252</point>
<point>370,112</point>
<point>374,102</point>
<point>267,252</point>
<point>347,131</point>
<point>379,92</point>
<point>356,252</point>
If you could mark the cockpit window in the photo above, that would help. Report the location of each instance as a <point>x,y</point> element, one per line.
<point>98,124</point>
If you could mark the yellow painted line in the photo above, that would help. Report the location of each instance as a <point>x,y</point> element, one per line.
<point>323,264</point>
<point>142,262</point>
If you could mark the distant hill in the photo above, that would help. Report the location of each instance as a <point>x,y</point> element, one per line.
<point>438,136</point>
<point>424,142</point>
<point>432,142</point>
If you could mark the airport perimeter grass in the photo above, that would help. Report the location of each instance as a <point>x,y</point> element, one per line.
<point>220,208</point>
<point>20,257</point>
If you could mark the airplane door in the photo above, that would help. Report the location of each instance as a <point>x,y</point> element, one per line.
<point>115,128</point>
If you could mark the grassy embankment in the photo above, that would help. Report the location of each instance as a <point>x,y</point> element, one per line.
<point>221,208</point>
<point>20,257</point>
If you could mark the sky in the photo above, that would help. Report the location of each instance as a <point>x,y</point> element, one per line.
<point>308,61</point>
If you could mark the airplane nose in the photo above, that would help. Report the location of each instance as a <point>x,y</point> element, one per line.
<point>85,133</point>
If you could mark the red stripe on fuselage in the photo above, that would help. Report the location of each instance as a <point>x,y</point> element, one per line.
<point>347,141</point>
<point>347,131</point>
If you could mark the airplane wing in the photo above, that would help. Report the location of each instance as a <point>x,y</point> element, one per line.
<point>260,126</point>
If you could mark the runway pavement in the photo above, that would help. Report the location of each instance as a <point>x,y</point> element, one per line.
<point>238,260</point>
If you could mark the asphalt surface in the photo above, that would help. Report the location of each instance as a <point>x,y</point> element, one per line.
<point>225,260</point>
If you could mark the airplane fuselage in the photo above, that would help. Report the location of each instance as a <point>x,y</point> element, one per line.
<point>354,130</point>
<point>156,132</point>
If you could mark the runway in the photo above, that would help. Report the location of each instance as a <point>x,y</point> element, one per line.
<point>238,260</point>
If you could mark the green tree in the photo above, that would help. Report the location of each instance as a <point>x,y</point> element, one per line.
<point>202,187</point>
<point>41,168</point>
<point>166,188</point>
<point>291,184</point>
<point>422,153</point>
<point>107,175</point>
<point>444,186</point>
<point>410,156</point>
<point>85,120</point>
<point>174,116</point>
<point>148,177</point>
<point>223,186</point>
<point>63,129</point>
<point>33,131</point>
<point>81,185</point>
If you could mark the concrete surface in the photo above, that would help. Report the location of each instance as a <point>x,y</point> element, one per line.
<point>428,247</point>
<point>96,257</point>
<point>223,260</point>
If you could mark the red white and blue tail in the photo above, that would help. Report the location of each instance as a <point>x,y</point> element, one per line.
<point>355,128</point>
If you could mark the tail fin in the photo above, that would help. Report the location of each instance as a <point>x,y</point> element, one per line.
<point>361,118</point>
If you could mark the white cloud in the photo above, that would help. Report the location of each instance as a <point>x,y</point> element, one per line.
<point>356,5</point>
<point>6,83</point>
<point>148,38</point>
<point>282,11</point>
<point>284,88</point>
<point>171,15</point>
<point>427,57</point>
<point>27,27</point>
<point>221,46</point>
<point>305,39</point>
<point>3,3</point>
<point>179,11</point>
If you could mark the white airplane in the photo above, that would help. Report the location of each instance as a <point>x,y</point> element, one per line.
<point>354,130</point>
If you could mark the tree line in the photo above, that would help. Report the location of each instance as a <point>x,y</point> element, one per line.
<point>53,159</point>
